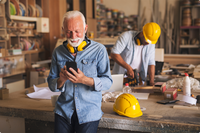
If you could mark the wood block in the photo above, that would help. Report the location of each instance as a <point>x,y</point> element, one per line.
<point>145,87</point>
<point>4,94</point>
<point>159,54</point>
<point>16,86</point>
<point>185,107</point>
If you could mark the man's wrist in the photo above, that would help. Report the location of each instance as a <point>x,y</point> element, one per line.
<point>60,83</point>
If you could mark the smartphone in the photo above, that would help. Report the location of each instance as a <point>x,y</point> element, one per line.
<point>72,65</point>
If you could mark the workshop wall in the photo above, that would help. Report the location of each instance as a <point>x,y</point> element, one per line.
<point>132,6</point>
<point>165,12</point>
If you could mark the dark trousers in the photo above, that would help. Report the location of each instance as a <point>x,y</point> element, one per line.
<point>62,126</point>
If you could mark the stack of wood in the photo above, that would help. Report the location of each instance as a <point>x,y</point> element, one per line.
<point>187,21</point>
<point>196,72</point>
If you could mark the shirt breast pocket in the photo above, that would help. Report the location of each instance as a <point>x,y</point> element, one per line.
<point>89,67</point>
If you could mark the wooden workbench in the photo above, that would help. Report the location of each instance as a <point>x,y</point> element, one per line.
<point>156,118</point>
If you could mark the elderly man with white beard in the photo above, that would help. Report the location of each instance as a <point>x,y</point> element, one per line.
<point>78,108</point>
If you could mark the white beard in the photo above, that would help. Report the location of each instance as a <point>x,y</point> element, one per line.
<point>75,44</point>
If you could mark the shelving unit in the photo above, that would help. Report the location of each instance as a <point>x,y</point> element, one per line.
<point>189,30</point>
<point>24,27</point>
<point>3,31</point>
<point>111,23</point>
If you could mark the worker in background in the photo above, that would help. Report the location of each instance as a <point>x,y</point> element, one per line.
<point>78,108</point>
<point>136,50</point>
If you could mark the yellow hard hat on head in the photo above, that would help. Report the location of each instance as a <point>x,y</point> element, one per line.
<point>151,32</point>
<point>127,105</point>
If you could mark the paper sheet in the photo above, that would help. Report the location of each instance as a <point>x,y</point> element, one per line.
<point>42,93</point>
<point>143,96</point>
<point>187,99</point>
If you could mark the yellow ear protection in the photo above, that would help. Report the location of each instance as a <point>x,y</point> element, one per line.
<point>138,42</point>
<point>75,49</point>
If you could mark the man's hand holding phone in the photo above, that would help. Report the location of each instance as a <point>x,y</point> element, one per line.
<point>71,65</point>
<point>75,75</point>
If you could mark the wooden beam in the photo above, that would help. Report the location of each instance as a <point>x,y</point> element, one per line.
<point>76,5</point>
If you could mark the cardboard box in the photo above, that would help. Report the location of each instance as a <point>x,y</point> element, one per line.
<point>162,86</point>
<point>4,93</point>
<point>170,93</point>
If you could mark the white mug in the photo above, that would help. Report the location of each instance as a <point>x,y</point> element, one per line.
<point>54,98</point>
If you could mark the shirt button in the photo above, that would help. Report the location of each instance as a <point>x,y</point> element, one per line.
<point>76,97</point>
<point>77,109</point>
<point>75,85</point>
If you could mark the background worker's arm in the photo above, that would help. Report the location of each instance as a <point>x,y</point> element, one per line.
<point>119,60</point>
<point>151,72</point>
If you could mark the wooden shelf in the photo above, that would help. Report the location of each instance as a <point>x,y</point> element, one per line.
<point>25,52</point>
<point>11,27</point>
<point>21,35</point>
<point>10,56</point>
<point>191,6</point>
<point>189,46</point>
<point>2,40</point>
<point>22,18</point>
<point>184,36</point>
<point>33,51</point>
<point>190,27</point>
<point>13,73</point>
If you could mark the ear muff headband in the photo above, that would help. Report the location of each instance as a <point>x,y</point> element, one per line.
<point>79,48</point>
<point>70,48</point>
<point>138,42</point>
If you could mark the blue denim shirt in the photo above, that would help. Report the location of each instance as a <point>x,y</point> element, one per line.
<point>93,61</point>
<point>125,47</point>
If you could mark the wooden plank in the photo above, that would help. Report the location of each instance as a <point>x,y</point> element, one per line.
<point>175,59</point>
<point>34,78</point>
<point>139,15</point>
<point>62,11</point>
<point>76,5</point>
<point>16,86</point>
<point>91,26</point>
<point>145,87</point>
<point>185,107</point>
<point>89,8</point>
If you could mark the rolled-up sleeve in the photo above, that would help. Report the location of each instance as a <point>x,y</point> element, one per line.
<point>53,75</point>
<point>120,43</point>
<point>103,81</point>
<point>152,54</point>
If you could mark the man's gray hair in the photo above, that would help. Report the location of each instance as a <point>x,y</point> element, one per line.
<point>73,14</point>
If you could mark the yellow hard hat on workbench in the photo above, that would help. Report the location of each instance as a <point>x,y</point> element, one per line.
<point>151,32</point>
<point>127,105</point>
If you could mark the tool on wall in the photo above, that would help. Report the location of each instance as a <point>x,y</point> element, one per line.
<point>168,25</point>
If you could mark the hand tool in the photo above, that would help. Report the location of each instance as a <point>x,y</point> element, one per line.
<point>136,76</point>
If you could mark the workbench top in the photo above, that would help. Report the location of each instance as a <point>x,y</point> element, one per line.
<point>156,118</point>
